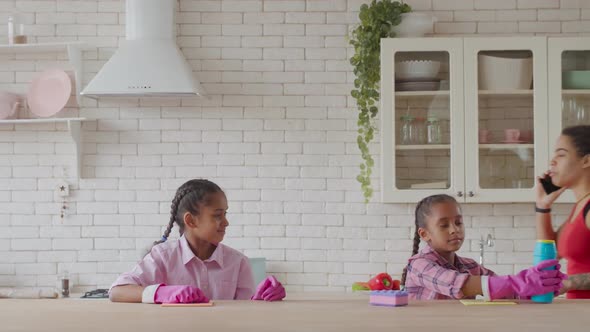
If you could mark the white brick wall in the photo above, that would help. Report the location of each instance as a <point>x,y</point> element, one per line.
<point>278,132</point>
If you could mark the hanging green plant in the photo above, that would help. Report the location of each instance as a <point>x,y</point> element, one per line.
<point>376,21</point>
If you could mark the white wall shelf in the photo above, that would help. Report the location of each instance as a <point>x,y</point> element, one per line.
<point>39,48</point>
<point>40,120</point>
<point>73,48</point>
<point>74,126</point>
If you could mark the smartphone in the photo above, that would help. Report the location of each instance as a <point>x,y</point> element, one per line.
<point>548,185</point>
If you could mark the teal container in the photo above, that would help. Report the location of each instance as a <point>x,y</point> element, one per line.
<point>258,265</point>
<point>544,250</point>
<point>576,79</point>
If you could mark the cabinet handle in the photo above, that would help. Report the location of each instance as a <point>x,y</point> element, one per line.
<point>460,194</point>
<point>471,194</point>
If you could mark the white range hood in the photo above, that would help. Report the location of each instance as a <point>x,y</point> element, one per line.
<point>148,62</point>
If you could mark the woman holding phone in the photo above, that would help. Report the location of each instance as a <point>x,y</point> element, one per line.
<point>569,169</point>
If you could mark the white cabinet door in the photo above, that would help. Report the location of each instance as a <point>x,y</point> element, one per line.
<point>421,118</point>
<point>505,117</point>
<point>569,89</point>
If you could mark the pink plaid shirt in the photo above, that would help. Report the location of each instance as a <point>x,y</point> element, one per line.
<point>431,277</point>
<point>226,275</point>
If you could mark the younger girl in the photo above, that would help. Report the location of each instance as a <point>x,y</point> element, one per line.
<point>438,273</point>
<point>197,266</point>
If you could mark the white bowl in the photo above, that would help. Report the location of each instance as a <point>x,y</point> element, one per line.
<point>510,70</point>
<point>414,24</point>
<point>416,69</point>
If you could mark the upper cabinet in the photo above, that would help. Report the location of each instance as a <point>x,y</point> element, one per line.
<point>421,117</point>
<point>463,116</point>
<point>569,88</point>
<point>506,117</point>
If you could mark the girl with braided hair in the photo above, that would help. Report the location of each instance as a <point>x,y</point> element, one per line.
<point>196,267</point>
<point>437,272</point>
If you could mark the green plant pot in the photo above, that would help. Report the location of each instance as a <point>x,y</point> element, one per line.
<point>576,79</point>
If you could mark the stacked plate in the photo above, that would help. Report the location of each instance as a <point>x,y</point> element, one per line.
<point>428,84</point>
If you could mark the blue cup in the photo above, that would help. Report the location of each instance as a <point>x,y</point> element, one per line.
<point>544,250</point>
<point>258,265</point>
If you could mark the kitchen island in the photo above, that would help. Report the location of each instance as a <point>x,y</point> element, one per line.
<point>298,312</point>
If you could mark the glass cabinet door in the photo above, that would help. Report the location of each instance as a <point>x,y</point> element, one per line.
<point>569,88</point>
<point>505,110</point>
<point>421,118</point>
<point>575,87</point>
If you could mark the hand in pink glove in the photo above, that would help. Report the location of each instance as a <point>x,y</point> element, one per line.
<point>532,281</point>
<point>179,294</point>
<point>270,289</point>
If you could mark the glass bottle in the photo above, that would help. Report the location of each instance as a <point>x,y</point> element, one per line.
<point>572,106</point>
<point>16,29</point>
<point>65,284</point>
<point>581,115</point>
<point>407,130</point>
<point>434,134</point>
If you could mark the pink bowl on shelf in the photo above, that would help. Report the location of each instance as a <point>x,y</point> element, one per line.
<point>49,93</point>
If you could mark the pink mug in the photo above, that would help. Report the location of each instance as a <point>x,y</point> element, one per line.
<point>485,135</point>
<point>511,135</point>
<point>527,136</point>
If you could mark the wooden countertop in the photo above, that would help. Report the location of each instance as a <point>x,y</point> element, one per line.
<point>298,312</point>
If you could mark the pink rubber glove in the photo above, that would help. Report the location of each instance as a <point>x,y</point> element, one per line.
<point>180,294</point>
<point>529,282</point>
<point>270,289</point>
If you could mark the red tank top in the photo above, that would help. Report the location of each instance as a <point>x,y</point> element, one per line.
<point>574,245</point>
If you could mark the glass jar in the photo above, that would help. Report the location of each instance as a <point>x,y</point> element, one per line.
<point>433,131</point>
<point>16,29</point>
<point>420,126</point>
<point>581,115</point>
<point>407,131</point>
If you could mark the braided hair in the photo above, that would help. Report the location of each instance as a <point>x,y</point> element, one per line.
<point>423,209</point>
<point>189,197</point>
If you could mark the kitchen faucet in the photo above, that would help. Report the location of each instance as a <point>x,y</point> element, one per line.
<point>489,241</point>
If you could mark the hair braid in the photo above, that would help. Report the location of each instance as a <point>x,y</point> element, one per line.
<point>180,194</point>
<point>416,243</point>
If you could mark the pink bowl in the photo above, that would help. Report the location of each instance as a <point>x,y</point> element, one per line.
<point>49,92</point>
